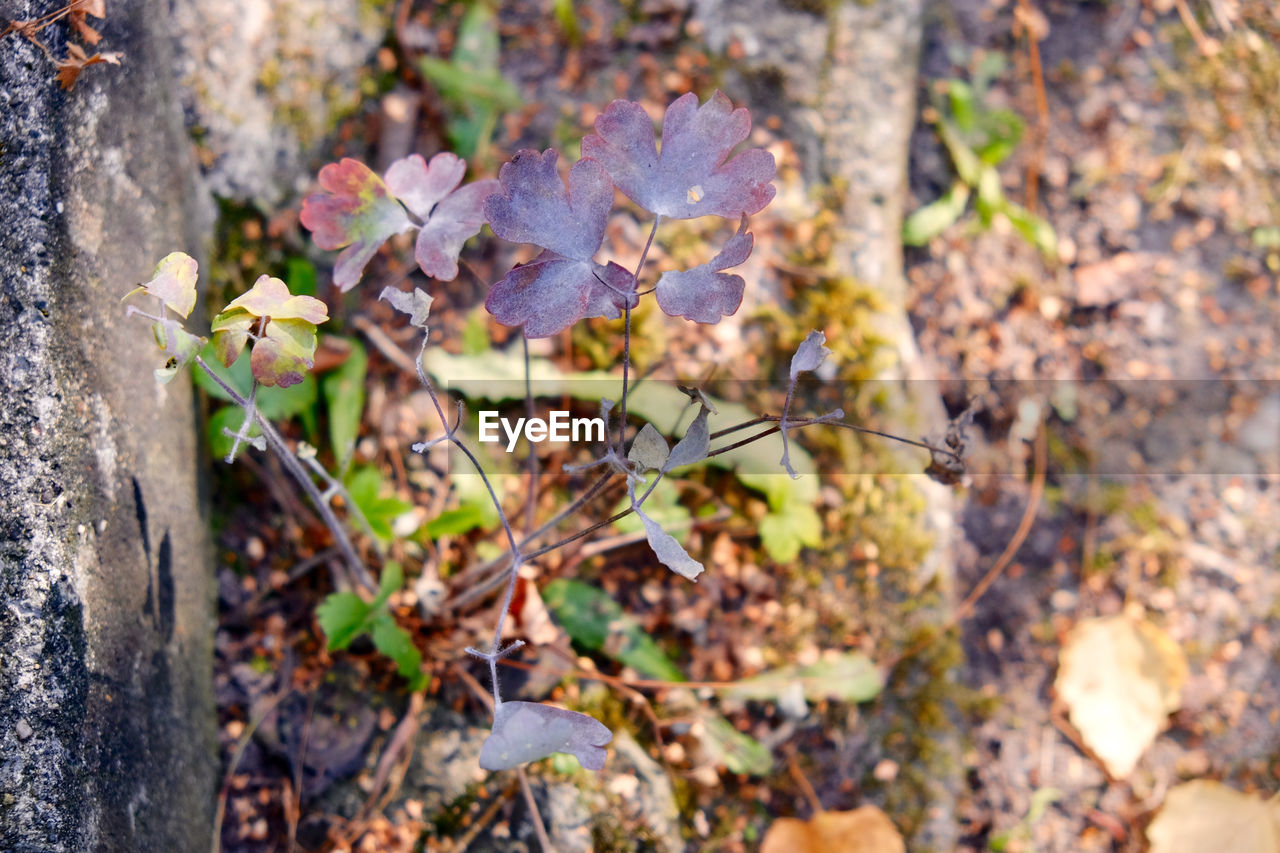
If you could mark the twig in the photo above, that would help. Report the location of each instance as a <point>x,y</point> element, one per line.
<point>803,781</point>
<point>1042,109</point>
<point>1019,535</point>
<point>1206,46</point>
<point>534,812</point>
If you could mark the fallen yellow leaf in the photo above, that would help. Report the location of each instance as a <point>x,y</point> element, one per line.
<point>1207,817</point>
<point>1120,678</point>
<point>863,830</point>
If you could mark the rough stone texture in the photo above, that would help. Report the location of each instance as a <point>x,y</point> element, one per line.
<point>106,711</point>
<point>265,80</point>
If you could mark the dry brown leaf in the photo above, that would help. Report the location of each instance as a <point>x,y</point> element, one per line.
<point>1203,816</point>
<point>863,830</point>
<point>69,69</point>
<point>1120,678</point>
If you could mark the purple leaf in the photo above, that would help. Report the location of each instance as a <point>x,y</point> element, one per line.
<point>690,176</point>
<point>527,731</point>
<point>704,294</point>
<point>449,216</point>
<point>563,284</point>
<point>534,207</point>
<point>354,210</point>
<point>551,293</point>
<point>810,355</point>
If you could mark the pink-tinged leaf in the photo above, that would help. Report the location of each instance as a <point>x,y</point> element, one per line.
<point>692,175</point>
<point>174,283</point>
<point>450,215</point>
<point>421,185</point>
<point>354,210</point>
<point>416,304</point>
<point>534,207</point>
<point>810,355</point>
<point>230,334</point>
<point>669,552</point>
<point>270,297</point>
<point>551,293</point>
<point>285,353</point>
<point>705,294</point>
<point>528,731</point>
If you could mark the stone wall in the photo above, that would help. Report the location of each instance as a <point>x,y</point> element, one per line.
<point>106,710</point>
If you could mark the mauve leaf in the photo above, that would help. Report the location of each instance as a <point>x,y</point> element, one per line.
<point>356,210</point>
<point>704,294</point>
<point>553,292</point>
<point>450,215</point>
<point>693,447</point>
<point>649,449</point>
<point>690,176</point>
<point>810,354</point>
<point>420,185</point>
<point>285,353</point>
<point>533,205</point>
<point>270,297</point>
<point>174,282</point>
<point>527,731</point>
<point>416,304</point>
<point>669,552</point>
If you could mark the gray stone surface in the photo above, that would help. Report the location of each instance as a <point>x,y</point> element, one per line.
<point>106,710</point>
<point>264,81</point>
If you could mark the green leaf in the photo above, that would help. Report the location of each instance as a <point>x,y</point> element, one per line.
<point>471,82</point>
<point>936,217</point>
<point>275,404</point>
<point>595,621</point>
<point>1001,132</point>
<point>395,642</point>
<point>1033,229</point>
<point>960,97</point>
<point>475,334</point>
<point>990,198</point>
<point>228,417</point>
<point>300,275</point>
<point>343,616</point>
<point>475,509</point>
<point>344,398</point>
<point>365,486</point>
<point>966,162</point>
<point>738,752</point>
<point>850,677</point>
<point>788,528</point>
<point>567,18</point>
<point>391,580</point>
